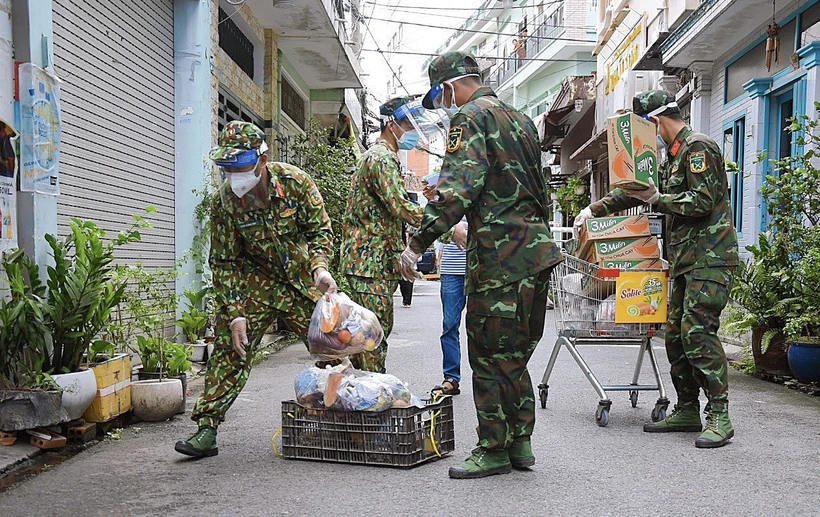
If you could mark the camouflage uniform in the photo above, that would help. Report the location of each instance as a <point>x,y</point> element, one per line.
<point>702,250</point>
<point>372,242</point>
<point>492,173</point>
<point>262,259</point>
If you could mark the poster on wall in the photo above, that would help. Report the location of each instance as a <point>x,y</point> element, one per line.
<point>8,171</point>
<point>38,92</point>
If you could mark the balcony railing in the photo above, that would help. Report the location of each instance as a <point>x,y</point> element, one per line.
<point>544,36</point>
<point>681,31</point>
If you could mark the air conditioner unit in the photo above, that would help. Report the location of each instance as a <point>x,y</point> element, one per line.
<point>679,10</point>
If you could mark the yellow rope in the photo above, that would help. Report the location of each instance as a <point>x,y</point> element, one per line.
<point>273,438</point>
<point>433,416</point>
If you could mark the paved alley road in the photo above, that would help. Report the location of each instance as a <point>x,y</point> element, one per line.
<point>771,467</point>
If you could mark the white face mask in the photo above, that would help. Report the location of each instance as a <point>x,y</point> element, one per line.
<point>243,182</point>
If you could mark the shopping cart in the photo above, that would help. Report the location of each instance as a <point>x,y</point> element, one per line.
<point>585,315</point>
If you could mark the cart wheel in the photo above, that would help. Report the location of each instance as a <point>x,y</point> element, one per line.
<point>659,413</point>
<point>542,394</point>
<point>633,397</point>
<point>602,416</point>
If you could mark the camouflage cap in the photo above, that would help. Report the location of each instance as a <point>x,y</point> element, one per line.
<point>389,108</point>
<point>649,102</point>
<point>448,66</point>
<point>236,138</point>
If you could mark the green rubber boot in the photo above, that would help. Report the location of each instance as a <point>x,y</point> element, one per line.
<point>520,453</point>
<point>482,463</point>
<point>201,445</point>
<point>718,431</point>
<point>685,418</point>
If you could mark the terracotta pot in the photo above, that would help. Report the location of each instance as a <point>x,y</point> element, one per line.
<point>775,361</point>
<point>79,390</point>
<point>155,400</point>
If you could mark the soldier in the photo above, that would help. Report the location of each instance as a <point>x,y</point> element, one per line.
<point>702,251</point>
<point>270,247</point>
<point>492,173</point>
<point>372,231</point>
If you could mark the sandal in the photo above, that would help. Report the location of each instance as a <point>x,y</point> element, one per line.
<point>444,390</point>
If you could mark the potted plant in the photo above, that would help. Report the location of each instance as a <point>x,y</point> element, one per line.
<point>193,322</point>
<point>761,303</point>
<point>28,395</point>
<point>803,325</point>
<point>163,361</point>
<point>82,292</point>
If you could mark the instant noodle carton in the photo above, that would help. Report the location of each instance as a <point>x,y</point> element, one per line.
<point>632,248</point>
<point>601,228</point>
<point>633,152</point>
<point>641,297</point>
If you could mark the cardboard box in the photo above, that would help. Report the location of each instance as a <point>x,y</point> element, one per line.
<point>632,248</point>
<point>641,297</point>
<point>633,152</point>
<point>601,228</point>
<point>653,264</point>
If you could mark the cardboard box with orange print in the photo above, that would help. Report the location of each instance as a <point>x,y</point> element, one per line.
<point>628,264</point>
<point>631,248</point>
<point>604,228</point>
<point>633,151</point>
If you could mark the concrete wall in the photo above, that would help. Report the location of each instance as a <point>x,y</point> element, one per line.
<point>260,94</point>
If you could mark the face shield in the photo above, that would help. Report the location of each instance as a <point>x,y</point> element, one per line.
<point>430,126</point>
<point>243,184</point>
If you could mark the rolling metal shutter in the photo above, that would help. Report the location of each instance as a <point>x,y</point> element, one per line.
<point>116,61</point>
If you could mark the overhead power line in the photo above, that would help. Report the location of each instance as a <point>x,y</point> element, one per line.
<point>429,54</point>
<point>378,49</point>
<point>494,33</point>
<point>476,9</point>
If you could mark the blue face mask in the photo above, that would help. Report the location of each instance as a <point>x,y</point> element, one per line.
<point>408,140</point>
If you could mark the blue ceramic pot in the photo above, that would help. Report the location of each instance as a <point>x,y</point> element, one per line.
<point>804,361</point>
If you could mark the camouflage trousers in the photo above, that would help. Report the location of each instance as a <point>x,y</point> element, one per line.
<point>692,345</point>
<point>227,372</point>
<point>504,326</point>
<point>375,294</point>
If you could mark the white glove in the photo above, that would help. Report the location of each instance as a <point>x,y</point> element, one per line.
<point>408,264</point>
<point>460,236</point>
<point>585,214</point>
<point>324,281</point>
<point>649,195</point>
<point>239,333</point>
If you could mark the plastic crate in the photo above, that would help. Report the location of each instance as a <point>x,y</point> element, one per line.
<point>398,437</point>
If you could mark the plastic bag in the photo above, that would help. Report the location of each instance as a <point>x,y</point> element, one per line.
<point>344,388</point>
<point>341,327</point>
<point>605,316</point>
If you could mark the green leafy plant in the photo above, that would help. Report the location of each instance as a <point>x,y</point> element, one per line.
<point>792,193</point>
<point>192,323</point>
<point>573,196</point>
<point>82,289</point>
<point>25,338</point>
<point>177,359</point>
<point>331,166</point>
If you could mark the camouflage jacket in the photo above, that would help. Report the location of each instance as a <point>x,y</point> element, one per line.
<point>699,229</point>
<point>256,252</point>
<point>372,229</point>
<point>492,173</point>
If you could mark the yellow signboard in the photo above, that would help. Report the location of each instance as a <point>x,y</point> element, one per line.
<point>623,59</point>
<point>641,297</point>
